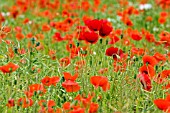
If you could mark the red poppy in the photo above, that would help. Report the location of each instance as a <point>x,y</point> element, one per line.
<point>6,29</point>
<point>71,86</point>
<point>70,46</point>
<point>135,35</point>
<point>77,109</point>
<point>94,25</point>
<point>54,80</point>
<point>91,37</point>
<point>57,37</point>
<point>162,104</point>
<point>103,70</point>
<point>114,52</point>
<point>105,29</point>
<point>19,36</point>
<point>68,76</point>
<point>159,57</point>
<point>147,69</point>
<point>149,37</point>
<point>25,102</point>
<point>47,81</point>
<point>164,38</point>
<point>79,64</point>
<point>137,51</point>
<point>84,100</point>
<point>93,107</point>
<point>65,61</point>
<point>66,106</point>
<point>46,27</point>
<point>46,106</point>
<point>52,54</point>
<point>10,103</point>
<point>8,68</point>
<point>37,88</point>
<point>28,94</point>
<point>162,77</point>
<point>69,21</point>
<point>145,81</point>
<point>114,39</point>
<point>101,81</point>
<point>149,60</point>
<point>51,103</point>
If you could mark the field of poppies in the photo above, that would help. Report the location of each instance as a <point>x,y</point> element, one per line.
<point>84,56</point>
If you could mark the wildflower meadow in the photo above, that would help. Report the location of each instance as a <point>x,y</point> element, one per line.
<point>84,56</point>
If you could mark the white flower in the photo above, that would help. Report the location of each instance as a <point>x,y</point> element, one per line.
<point>145,6</point>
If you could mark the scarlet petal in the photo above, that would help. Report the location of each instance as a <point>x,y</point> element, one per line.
<point>8,68</point>
<point>101,81</point>
<point>71,86</point>
<point>162,104</point>
<point>145,81</point>
<point>66,106</point>
<point>91,37</point>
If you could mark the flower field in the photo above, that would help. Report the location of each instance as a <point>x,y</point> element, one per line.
<point>84,56</point>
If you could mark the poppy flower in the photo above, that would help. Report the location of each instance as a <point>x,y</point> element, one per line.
<point>46,27</point>
<point>8,68</point>
<point>47,81</point>
<point>28,94</point>
<point>114,52</point>
<point>84,100</point>
<point>68,76</point>
<point>46,106</point>
<point>162,20</point>
<point>54,80</point>
<point>52,53</point>
<point>66,106</point>
<point>147,69</point>
<point>145,81</point>
<point>10,103</point>
<point>71,86</point>
<point>93,107</point>
<point>65,61</point>
<point>162,104</point>
<point>25,102</point>
<point>103,70</point>
<point>162,77</point>
<point>135,35</point>
<point>51,103</point>
<point>149,37</point>
<point>69,21</point>
<point>6,29</point>
<point>37,88</point>
<point>57,37</point>
<point>159,57</point>
<point>77,109</point>
<point>137,51</point>
<point>114,39</point>
<point>94,25</point>
<point>19,36</point>
<point>79,64</point>
<point>149,60</point>
<point>101,81</point>
<point>70,46</point>
<point>105,29</point>
<point>91,37</point>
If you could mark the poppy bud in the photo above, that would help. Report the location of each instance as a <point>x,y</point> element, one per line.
<point>37,44</point>
<point>33,40</point>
